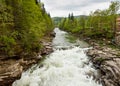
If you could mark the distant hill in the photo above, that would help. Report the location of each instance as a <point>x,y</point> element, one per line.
<point>58,19</point>
<point>78,16</point>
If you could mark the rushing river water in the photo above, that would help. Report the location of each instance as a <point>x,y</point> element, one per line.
<point>68,65</point>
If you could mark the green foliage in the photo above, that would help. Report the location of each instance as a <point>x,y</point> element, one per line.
<point>69,23</point>
<point>99,24</point>
<point>57,20</point>
<point>7,43</point>
<point>23,23</point>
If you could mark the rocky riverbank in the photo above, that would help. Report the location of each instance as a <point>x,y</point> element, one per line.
<point>11,69</point>
<point>107,61</point>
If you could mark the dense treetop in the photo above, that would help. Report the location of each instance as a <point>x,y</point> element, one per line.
<point>23,23</point>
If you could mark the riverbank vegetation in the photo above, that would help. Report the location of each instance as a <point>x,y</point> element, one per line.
<point>23,23</point>
<point>99,24</point>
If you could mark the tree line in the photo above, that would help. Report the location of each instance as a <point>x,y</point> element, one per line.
<point>100,23</point>
<point>23,23</point>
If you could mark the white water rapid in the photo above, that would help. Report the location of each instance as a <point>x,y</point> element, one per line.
<point>64,67</point>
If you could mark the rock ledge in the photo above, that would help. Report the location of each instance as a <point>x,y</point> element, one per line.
<point>107,61</point>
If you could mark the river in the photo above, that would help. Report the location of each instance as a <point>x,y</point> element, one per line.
<point>68,65</point>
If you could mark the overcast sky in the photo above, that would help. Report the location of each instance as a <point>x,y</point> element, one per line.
<point>77,7</point>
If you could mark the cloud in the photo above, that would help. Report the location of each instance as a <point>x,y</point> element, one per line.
<point>98,1</point>
<point>63,7</point>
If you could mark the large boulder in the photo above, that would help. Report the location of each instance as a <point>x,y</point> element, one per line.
<point>107,61</point>
<point>10,74</point>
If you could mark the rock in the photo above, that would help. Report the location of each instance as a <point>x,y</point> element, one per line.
<point>53,34</point>
<point>117,40</point>
<point>111,70</point>
<point>107,60</point>
<point>10,74</point>
<point>39,57</point>
<point>47,48</point>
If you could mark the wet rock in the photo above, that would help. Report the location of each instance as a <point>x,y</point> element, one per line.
<point>107,60</point>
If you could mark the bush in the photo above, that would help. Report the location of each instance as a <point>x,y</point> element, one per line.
<point>7,44</point>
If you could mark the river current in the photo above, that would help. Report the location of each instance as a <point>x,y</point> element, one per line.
<point>68,65</point>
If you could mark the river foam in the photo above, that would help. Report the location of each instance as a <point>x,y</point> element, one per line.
<point>68,67</point>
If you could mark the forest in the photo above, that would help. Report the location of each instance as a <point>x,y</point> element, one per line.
<point>82,51</point>
<point>98,24</point>
<point>23,23</point>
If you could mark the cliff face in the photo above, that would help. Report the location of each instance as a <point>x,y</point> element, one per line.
<point>107,61</point>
